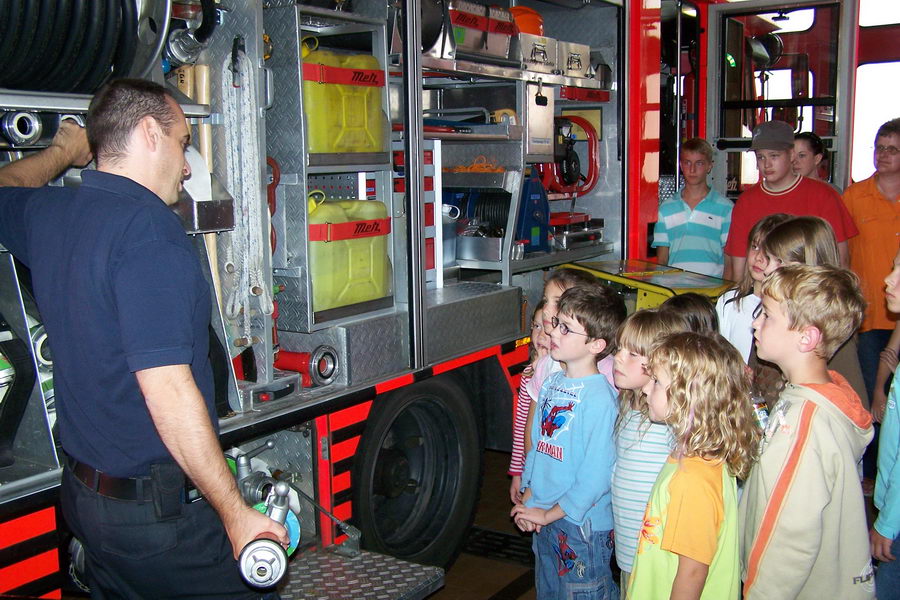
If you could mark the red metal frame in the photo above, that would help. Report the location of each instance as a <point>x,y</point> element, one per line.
<point>702,66</point>
<point>22,530</point>
<point>644,28</point>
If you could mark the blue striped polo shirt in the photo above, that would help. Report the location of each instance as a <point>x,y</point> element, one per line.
<point>695,238</point>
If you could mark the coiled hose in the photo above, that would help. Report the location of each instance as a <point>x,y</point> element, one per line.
<point>66,45</point>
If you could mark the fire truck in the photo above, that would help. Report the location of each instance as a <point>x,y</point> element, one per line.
<point>378,191</point>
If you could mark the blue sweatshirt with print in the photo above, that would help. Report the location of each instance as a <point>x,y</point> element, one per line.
<point>572,455</point>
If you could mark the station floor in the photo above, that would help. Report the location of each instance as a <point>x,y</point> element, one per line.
<point>496,563</point>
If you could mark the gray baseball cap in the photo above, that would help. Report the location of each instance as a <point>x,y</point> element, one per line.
<point>772,135</point>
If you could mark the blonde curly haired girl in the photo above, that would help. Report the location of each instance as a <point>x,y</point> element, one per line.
<point>689,540</point>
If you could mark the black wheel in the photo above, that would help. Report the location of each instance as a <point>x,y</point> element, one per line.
<point>417,473</point>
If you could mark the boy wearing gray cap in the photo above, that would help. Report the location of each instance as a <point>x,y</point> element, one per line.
<point>780,190</point>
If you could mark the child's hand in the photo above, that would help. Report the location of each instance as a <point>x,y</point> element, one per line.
<point>880,546</point>
<point>527,526</point>
<point>515,488</point>
<point>879,403</point>
<point>537,516</point>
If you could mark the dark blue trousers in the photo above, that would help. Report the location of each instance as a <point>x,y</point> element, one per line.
<point>131,554</point>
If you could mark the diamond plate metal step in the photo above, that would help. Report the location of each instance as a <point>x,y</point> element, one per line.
<point>324,575</point>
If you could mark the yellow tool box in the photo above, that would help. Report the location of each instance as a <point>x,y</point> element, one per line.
<point>646,284</point>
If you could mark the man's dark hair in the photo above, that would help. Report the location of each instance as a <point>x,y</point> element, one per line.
<point>892,127</point>
<point>598,308</point>
<point>118,108</point>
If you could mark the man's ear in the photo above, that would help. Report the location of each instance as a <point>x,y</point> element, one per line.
<point>810,338</point>
<point>149,132</point>
<point>598,345</point>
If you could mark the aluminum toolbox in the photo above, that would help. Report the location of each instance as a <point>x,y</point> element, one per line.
<point>574,59</point>
<point>479,248</point>
<point>480,29</point>
<point>537,53</point>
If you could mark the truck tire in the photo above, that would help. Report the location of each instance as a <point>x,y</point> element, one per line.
<point>417,473</point>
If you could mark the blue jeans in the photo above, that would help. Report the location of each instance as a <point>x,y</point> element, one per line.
<point>572,563</point>
<point>887,577</point>
<point>130,553</point>
<point>871,343</point>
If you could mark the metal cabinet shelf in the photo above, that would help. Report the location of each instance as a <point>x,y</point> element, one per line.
<point>456,68</point>
<point>76,103</point>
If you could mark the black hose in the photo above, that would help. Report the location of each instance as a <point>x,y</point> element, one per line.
<point>208,24</point>
<point>10,36</point>
<point>40,46</point>
<point>128,40</point>
<point>5,9</point>
<point>57,79</point>
<point>36,78</point>
<point>72,45</point>
<point>103,59</point>
<point>18,60</point>
<point>84,55</point>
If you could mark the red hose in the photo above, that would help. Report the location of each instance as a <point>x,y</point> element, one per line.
<point>550,171</point>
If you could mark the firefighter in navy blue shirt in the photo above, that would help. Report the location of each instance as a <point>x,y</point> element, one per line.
<point>126,307</point>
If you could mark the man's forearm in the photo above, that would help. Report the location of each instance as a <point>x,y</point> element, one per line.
<point>35,170</point>
<point>69,147</point>
<point>179,413</point>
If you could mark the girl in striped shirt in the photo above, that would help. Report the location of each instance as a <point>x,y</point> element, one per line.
<point>539,347</point>
<point>642,446</point>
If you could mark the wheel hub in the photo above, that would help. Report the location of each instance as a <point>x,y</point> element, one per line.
<point>394,473</point>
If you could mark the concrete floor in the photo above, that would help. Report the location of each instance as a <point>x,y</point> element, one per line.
<point>478,578</point>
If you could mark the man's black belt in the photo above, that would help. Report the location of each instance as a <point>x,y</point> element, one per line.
<point>123,488</point>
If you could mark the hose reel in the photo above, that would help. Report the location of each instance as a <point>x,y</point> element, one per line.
<point>75,46</point>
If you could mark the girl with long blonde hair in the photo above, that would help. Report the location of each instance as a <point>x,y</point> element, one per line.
<point>641,445</point>
<point>688,545</point>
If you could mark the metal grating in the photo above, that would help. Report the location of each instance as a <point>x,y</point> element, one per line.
<point>323,575</point>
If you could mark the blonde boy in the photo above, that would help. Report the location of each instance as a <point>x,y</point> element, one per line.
<point>803,523</point>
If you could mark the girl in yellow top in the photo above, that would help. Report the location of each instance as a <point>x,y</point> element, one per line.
<point>688,545</point>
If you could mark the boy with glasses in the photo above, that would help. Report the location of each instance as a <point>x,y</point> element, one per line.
<point>568,472</point>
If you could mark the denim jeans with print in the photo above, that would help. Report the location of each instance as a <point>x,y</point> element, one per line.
<point>572,562</point>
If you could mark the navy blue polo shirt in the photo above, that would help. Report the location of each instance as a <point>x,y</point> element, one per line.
<point>120,289</point>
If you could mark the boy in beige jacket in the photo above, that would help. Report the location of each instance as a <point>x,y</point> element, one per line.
<point>803,522</point>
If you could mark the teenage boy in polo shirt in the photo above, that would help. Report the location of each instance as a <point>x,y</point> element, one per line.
<point>693,225</point>
<point>782,191</point>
